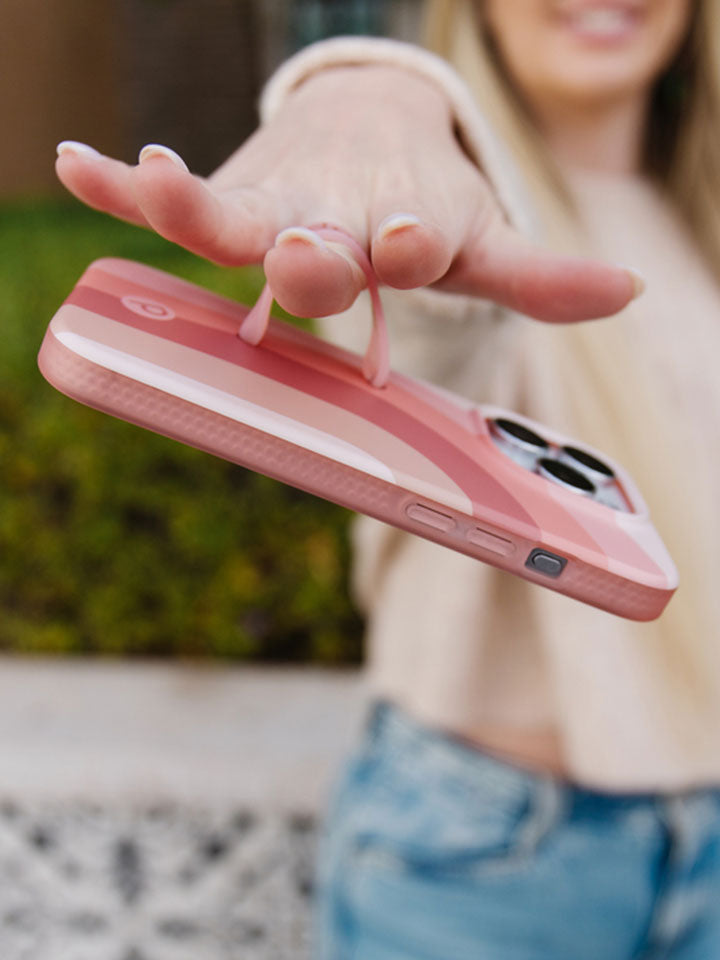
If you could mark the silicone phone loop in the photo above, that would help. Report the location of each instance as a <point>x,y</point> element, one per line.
<point>376,363</point>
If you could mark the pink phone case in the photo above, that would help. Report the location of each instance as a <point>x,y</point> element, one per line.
<point>165,354</point>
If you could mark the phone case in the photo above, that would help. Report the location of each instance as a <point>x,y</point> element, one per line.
<point>165,354</point>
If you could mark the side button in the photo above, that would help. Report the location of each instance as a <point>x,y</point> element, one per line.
<point>545,562</point>
<point>491,542</point>
<point>430,518</point>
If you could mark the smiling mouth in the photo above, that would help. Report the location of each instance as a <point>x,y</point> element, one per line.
<point>601,21</point>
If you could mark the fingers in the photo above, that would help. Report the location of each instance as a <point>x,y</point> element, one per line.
<point>408,251</point>
<point>236,224</point>
<point>503,267</point>
<point>311,277</point>
<point>99,181</point>
<point>232,227</point>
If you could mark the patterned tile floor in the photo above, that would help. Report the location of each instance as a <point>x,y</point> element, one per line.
<point>161,813</point>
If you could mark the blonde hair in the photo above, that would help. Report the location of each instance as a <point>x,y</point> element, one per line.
<point>593,362</point>
<point>682,148</point>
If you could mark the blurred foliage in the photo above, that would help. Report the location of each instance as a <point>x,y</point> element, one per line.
<point>116,541</point>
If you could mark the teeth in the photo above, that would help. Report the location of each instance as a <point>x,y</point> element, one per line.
<point>601,20</point>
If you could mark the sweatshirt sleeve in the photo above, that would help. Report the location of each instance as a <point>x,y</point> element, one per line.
<point>481,140</point>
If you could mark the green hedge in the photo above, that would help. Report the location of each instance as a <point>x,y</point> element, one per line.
<point>117,541</point>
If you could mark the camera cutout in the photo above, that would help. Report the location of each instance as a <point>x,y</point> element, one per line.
<point>589,464</point>
<point>515,433</point>
<point>565,475</point>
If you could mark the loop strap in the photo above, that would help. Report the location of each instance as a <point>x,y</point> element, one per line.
<point>376,363</point>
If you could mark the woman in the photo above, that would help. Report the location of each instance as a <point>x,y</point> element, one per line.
<point>540,780</point>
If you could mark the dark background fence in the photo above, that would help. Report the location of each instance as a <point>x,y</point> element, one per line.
<point>121,73</point>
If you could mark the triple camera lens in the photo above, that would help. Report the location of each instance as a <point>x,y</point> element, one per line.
<point>568,466</point>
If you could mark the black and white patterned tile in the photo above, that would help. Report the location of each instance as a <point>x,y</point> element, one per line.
<point>80,881</point>
<point>164,812</point>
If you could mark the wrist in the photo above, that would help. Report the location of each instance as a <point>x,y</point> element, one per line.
<point>409,63</point>
<point>352,86</point>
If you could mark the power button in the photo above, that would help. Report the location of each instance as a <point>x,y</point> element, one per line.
<point>549,564</point>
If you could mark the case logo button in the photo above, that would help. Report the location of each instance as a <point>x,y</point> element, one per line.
<point>150,309</point>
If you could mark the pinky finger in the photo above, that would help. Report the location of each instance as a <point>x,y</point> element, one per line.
<point>99,181</point>
<point>505,268</point>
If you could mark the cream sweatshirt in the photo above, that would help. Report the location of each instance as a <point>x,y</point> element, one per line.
<point>464,646</point>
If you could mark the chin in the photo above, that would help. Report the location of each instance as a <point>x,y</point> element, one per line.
<point>606,78</point>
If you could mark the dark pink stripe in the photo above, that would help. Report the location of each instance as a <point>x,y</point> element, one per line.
<point>355,397</point>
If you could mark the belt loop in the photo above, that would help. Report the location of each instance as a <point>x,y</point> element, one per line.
<point>376,718</point>
<point>677,814</point>
<point>550,801</point>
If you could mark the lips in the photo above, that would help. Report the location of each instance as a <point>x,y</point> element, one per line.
<point>601,21</point>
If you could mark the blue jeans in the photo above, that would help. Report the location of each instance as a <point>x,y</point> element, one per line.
<point>437,851</point>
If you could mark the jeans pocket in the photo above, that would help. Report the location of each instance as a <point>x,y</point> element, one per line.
<point>453,833</point>
<point>378,852</point>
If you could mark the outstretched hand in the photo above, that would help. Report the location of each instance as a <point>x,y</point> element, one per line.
<point>368,149</point>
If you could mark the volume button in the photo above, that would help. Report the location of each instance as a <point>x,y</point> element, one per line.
<point>491,542</point>
<point>430,518</point>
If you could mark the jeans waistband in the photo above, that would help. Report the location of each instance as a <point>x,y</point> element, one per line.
<point>412,744</point>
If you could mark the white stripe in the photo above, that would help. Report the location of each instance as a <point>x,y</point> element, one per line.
<point>235,408</point>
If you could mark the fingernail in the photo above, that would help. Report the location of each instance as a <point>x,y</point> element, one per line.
<point>158,150</point>
<point>79,149</point>
<point>638,280</point>
<point>312,239</point>
<point>639,283</point>
<point>395,222</point>
<point>302,234</point>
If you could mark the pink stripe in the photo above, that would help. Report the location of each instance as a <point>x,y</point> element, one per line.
<point>437,437</point>
<point>114,274</point>
<point>407,465</point>
<point>616,543</point>
<point>120,278</point>
<point>294,362</point>
<point>218,314</point>
<point>432,425</point>
<point>340,389</point>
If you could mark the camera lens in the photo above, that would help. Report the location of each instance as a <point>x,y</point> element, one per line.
<point>516,433</point>
<point>598,470</point>
<point>565,475</point>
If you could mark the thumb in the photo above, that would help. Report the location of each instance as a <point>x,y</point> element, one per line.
<point>502,266</point>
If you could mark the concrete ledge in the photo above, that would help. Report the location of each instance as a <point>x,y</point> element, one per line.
<point>141,732</point>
